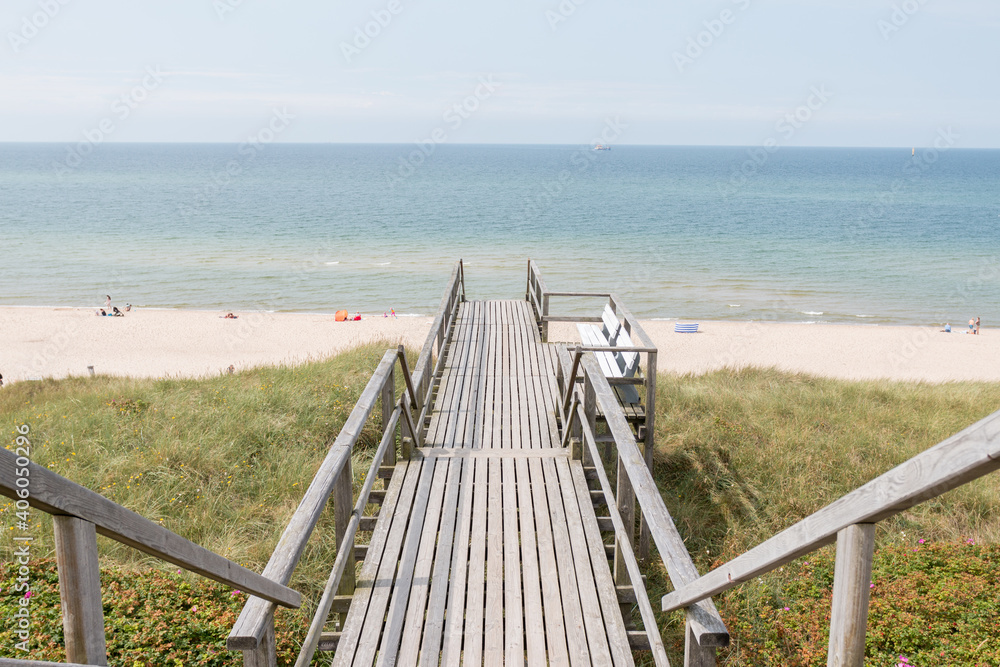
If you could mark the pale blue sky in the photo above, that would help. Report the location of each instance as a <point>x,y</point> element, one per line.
<point>224,72</point>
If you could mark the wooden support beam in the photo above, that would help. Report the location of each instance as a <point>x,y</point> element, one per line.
<point>851,591</point>
<point>343,508</point>
<point>80,590</point>
<point>696,655</point>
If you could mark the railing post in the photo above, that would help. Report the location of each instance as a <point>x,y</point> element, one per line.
<point>388,405</point>
<point>626,508</point>
<point>590,410</point>
<point>696,655</point>
<point>80,590</point>
<point>343,508</point>
<point>851,590</point>
<point>265,655</point>
<point>545,313</point>
<point>649,446</point>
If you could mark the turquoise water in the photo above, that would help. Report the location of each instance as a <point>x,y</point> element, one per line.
<point>833,235</point>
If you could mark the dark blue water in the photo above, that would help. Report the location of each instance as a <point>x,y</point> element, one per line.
<point>807,234</point>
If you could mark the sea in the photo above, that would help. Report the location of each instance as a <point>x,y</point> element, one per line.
<point>839,235</point>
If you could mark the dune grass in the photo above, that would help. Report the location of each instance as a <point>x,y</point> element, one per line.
<point>741,455</point>
<point>223,461</point>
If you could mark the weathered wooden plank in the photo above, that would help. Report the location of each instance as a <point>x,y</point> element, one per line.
<point>534,621</point>
<point>430,646</point>
<point>851,591</point>
<point>513,602</point>
<point>80,590</point>
<point>54,494</point>
<point>555,628</point>
<point>475,605</point>
<point>493,640</point>
<point>401,589</point>
<point>972,453</point>
<point>414,587</point>
<point>451,647</point>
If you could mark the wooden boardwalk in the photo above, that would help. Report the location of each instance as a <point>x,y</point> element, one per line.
<point>487,549</point>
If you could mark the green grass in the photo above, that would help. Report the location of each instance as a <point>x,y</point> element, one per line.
<point>740,455</point>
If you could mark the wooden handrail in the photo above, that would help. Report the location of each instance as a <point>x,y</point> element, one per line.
<point>703,617</point>
<point>635,575</point>
<point>256,616</point>
<point>54,494</point>
<point>965,456</point>
<point>343,553</point>
<point>455,283</point>
<point>634,327</point>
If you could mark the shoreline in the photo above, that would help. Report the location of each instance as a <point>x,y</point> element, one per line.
<point>59,341</point>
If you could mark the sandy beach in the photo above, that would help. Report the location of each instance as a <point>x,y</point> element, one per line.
<point>58,342</point>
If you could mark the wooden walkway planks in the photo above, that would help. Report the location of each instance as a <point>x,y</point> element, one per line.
<point>490,555</point>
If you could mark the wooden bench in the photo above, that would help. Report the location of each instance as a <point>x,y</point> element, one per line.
<point>618,363</point>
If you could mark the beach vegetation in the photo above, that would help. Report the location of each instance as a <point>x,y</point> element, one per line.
<point>740,455</point>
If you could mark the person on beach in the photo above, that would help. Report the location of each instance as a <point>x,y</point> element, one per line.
<point>107,301</point>
<point>117,313</point>
<point>357,317</point>
<point>101,312</point>
<point>229,316</point>
<point>947,329</point>
<point>972,327</point>
<point>128,307</point>
<point>977,326</point>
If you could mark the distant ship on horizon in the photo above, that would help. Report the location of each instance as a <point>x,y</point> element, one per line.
<point>602,147</point>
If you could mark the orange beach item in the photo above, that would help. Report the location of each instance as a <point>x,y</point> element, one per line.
<point>341,316</point>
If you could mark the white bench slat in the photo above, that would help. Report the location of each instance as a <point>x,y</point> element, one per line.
<point>594,337</point>
<point>612,327</point>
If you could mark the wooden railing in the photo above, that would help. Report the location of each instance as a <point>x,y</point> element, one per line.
<point>426,369</point>
<point>539,296</point>
<point>78,515</point>
<point>253,632</point>
<point>850,521</point>
<point>588,391</point>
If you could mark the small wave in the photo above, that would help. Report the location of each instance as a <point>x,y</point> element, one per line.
<point>811,312</point>
<point>331,263</point>
<point>864,316</point>
<point>734,305</point>
<point>382,264</point>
